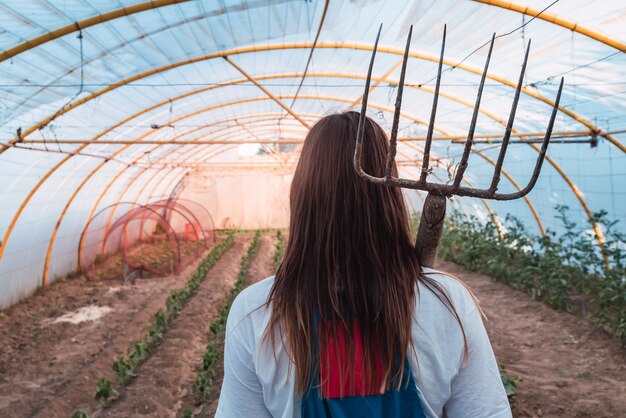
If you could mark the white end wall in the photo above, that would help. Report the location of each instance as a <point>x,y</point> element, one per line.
<point>245,200</point>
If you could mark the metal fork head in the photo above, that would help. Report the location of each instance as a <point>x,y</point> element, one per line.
<point>447,190</point>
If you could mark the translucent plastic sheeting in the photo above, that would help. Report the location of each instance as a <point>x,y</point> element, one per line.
<point>147,71</point>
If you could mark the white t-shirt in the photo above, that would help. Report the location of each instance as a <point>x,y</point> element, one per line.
<point>257,383</point>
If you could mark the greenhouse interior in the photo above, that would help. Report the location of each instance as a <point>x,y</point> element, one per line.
<point>147,153</point>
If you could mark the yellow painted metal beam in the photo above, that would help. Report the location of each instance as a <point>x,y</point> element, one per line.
<point>186,142</point>
<point>557,20</point>
<point>322,45</point>
<point>47,260</point>
<point>76,191</point>
<point>414,161</point>
<point>517,133</point>
<point>454,138</point>
<point>266,91</point>
<point>46,271</point>
<point>568,182</point>
<point>212,108</point>
<point>221,122</point>
<point>358,100</point>
<point>83,24</point>
<point>228,83</point>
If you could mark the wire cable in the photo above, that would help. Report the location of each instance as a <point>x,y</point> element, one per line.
<point>523,25</point>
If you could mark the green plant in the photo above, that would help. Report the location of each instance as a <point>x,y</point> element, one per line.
<point>204,379</point>
<point>80,414</point>
<point>187,413</point>
<point>215,327</point>
<point>566,271</point>
<point>209,357</point>
<point>124,369</point>
<point>510,385</point>
<point>140,351</point>
<point>202,386</point>
<point>278,252</point>
<point>105,391</point>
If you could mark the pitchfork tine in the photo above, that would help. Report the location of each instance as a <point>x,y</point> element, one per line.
<point>360,133</point>
<point>470,135</point>
<point>509,127</point>
<point>544,146</point>
<point>393,139</point>
<point>431,123</point>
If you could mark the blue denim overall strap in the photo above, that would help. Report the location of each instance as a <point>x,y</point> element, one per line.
<point>395,403</point>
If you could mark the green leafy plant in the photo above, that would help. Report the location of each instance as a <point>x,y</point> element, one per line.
<point>510,385</point>
<point>140,351</point>
<point>124,369</point>
<point>278,252</point>
<point>80,414</point>
<point>566,271</point>
<point>204,379</point>
<point>209,357</point>
<point>215,327</point>
<point>105,391</point>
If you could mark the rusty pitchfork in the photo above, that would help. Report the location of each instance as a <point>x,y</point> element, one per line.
<point>434,211</point>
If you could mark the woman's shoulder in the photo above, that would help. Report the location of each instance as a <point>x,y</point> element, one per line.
<point>257,292</point>
<point>251,300</point>
<point>455,289</point>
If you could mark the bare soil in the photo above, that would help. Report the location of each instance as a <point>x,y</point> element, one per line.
<point>261,267</point>
<point>50,369</point>
<point>155,258</point>
<point>564,367</point>
<point>160,385</point>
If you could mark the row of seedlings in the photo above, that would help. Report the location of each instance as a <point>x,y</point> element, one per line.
<point>241,231</point>
<point>566,270</point>
<point>139,351</point>
<point>204,379</point>
<point>280,248</point>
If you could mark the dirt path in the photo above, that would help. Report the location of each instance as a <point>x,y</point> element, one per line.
<point>54,366</point>
<point>263,264</point>
<point>261,267</point>
<point>160,383</point>
<point>564,367</point>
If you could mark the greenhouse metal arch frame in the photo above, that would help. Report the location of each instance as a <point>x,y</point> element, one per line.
<point>179,169</point>
<point>397,51</point>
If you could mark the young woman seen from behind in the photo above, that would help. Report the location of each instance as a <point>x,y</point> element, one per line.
<point>352,325</point>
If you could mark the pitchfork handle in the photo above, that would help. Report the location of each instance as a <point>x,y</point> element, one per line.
<point>430,229</point>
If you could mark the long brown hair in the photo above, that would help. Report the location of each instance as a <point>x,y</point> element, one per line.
<point>349,261</point>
